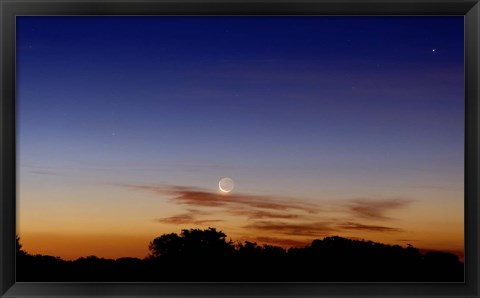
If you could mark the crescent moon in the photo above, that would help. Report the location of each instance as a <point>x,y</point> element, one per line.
<point>226,185</point>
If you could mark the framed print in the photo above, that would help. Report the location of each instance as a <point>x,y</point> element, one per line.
<point>175,148</point>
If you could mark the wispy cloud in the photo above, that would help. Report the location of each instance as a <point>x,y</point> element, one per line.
<point>40,172</point>
<point>195,197</point>
<point>153,167</point>
<point>278,217</point>
<point>316,229</point>
<point>186,218</point>
<point>375,209</point>
<point>357,226</point>
<point>439,187</point>
<point>258,214</point>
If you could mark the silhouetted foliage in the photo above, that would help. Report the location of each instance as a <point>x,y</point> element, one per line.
<point>206,255</point>
<point>18,245</point>
<point>20,252</point>
<point>192,243</point>
<point>166,245</point>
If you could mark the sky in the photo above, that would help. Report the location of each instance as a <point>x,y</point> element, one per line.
<point>328,125</point>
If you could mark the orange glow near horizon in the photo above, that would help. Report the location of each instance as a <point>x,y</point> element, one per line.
<point>87,211</point>
<point>71,247</point>
<point>71,232</point>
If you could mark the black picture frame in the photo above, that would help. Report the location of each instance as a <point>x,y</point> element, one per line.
<point>9,9</point>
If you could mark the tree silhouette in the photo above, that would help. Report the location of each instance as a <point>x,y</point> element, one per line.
<point>193,243</point>
<point>18,245</point>
<point>20,252</point>
<point>165,245</point>
<point>206,255</point>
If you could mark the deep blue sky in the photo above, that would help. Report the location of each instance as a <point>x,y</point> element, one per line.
<point>290,91</point>
<point>318,108</point>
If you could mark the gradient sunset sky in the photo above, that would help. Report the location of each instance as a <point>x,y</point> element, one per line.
<point>350,126</point>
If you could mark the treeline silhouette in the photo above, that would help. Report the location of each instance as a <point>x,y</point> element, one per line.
<point>197,255</point>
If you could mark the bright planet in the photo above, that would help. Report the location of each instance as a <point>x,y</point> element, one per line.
<point>226,185</point>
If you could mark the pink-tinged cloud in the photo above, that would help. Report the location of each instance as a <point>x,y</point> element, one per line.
<point>375,209</point>
<point>187,218</point>
<point>259,214</point>
<point>264,206</point>
<point>271,215</point>
<point>316,229</point>
<point>372,228</point>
